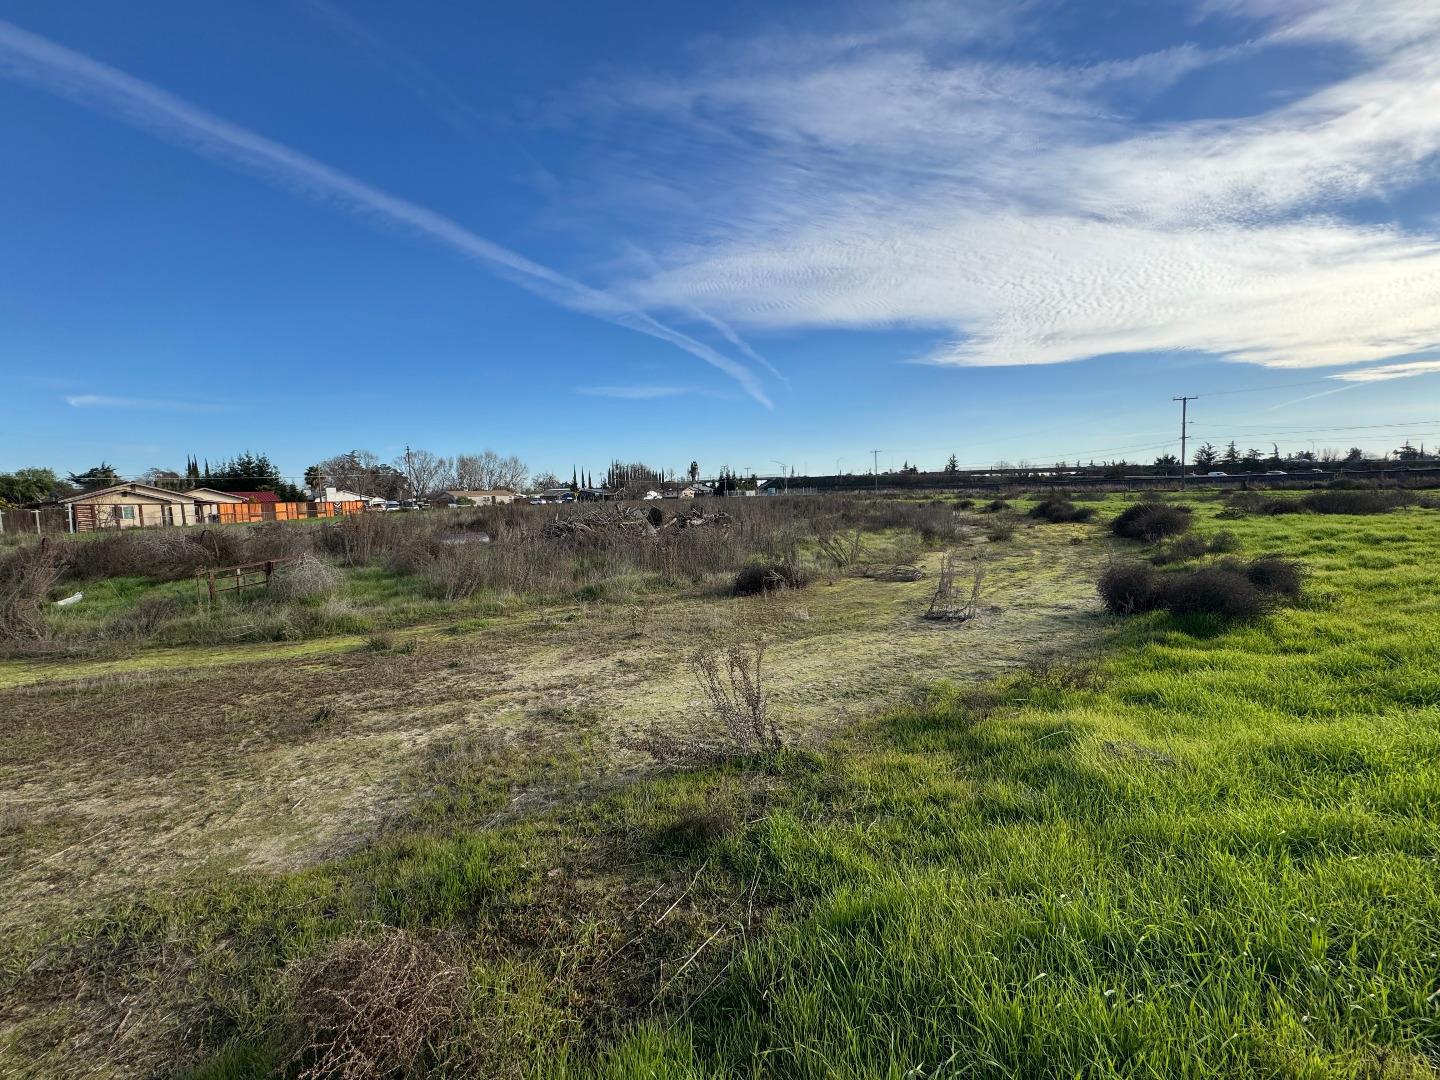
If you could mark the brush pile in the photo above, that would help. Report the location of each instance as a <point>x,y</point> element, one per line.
<point>633,521</point>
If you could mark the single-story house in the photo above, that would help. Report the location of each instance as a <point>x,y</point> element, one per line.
<point>257,496</point>
<point>337,495</point>
<point>211,495</point>
<point>486,497</point>
<point>129,506</point>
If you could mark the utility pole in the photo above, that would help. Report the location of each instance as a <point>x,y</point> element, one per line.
<point>1184,430</point>
<point>875,468</point>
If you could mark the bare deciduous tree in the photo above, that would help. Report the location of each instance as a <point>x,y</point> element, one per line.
<point>487,471</point>
<point>359,471</point>
<point>425,473</point>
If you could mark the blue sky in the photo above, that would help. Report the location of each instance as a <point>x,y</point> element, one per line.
<point>740,234</point>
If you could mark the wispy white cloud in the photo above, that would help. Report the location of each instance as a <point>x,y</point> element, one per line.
<point>109,401</point>
<point>633,392</point>
<point>1019,211</point>
<point>32,59</point>
<point>400,65</point>
<point>1390,371</point>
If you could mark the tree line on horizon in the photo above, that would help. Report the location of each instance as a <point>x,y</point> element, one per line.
<point>419,473</point>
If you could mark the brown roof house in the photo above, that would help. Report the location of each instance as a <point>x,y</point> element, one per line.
<point>130,506</point>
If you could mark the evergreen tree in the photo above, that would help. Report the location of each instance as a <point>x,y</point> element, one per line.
<point>102,475</point>
<point>1231,455</point>
<point>953,465</point>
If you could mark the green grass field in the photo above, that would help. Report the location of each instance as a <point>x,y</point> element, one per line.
<point>1195,850</point>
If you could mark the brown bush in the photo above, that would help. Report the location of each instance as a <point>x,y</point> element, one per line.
<point>761,575</point>
<point>306,578</point>
<point>1183,548</point>
<point>1151,521</point>
<point>1278,575</point>
<point>1129,588</point>
<point>733,682</point>
<point>1215,590</point>
<point>26,577</point>
<point>1230,589</point>
<point>1057,510</point>
<point>363,1009</point>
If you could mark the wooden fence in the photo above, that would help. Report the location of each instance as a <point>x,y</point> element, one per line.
<point>211,583</point>
<point>92,517</point>
<point>235,513</point>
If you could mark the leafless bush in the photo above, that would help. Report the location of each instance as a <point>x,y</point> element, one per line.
<point>361,538</point>
<point>948,604</point>
<point>1000,530</point>
<point>26,577</point>
<point>762,575</point>
<point>367,1009</point>
<point>841,550</point>
<point>733,682</point>
<point>307,577</point>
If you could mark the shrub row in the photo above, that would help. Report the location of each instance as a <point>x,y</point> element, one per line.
<point>1229,589</point>
<point>1331,501</point>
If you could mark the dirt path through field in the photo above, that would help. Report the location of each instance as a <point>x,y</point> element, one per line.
<point>126,774</point>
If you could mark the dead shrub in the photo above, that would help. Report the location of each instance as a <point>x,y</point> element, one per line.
<point>841,550</point>
<point>361,538</point>
<point>946,603</point>
<point>1355,502</point>
<point>1229,590</point>
<point>1276,574</point>
<point>1129,588</point>
<point>732,680</point>
<point>1214,590</point>
<point>763,574</point>
<point>1191,546</point>
<point>367,1009</point>
<point>1151,521</point>
<point>306,578</point>
<point>1000,530</point>
<point>1058,510</point>
<point>26,577</point>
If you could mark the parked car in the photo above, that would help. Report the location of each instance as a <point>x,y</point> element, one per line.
<point>390,504</point>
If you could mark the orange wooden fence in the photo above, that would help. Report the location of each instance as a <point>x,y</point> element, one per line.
<point>236,513</point>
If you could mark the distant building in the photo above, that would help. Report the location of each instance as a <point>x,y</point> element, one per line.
<point>341,495</point>
<point>487,497</point>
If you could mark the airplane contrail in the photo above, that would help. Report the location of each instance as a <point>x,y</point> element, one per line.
<point>35,60</point>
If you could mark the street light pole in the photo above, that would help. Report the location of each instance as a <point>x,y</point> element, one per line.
<point>783,473</point>
<point>875,468</point>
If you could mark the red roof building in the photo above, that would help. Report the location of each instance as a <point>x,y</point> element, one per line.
<point>257,496</point>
